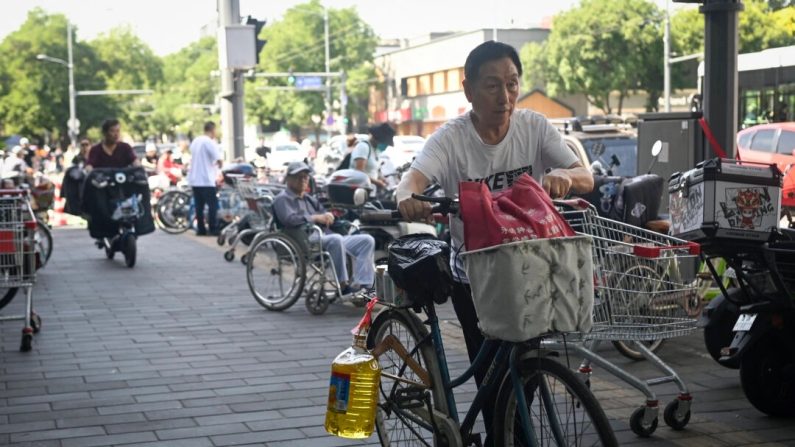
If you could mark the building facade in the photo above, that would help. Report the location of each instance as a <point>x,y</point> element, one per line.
<point>421,84</point>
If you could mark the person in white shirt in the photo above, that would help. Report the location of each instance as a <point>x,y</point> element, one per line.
<point>494,144</point>
<point>205,162</point>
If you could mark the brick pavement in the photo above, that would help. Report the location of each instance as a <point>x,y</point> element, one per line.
<point>176,353</point>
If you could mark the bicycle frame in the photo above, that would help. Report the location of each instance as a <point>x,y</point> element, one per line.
<point>504,360</point>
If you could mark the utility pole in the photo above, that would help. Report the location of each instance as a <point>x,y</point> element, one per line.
<point>667,57</point>
<point>232,116</point>
<point>720,69</point>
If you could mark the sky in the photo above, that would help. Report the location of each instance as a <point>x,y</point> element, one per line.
<point>169,25</point>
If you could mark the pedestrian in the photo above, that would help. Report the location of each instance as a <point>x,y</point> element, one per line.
<point>205,161</point>
<point>111,152</point>
<point>15,169</point>
<point>364,156</point>
<point>493,143</point>
<point>30,154</point>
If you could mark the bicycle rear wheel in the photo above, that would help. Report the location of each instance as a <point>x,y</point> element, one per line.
<point>43,241</point>
<point>400,419</point>
<point>562,410</point>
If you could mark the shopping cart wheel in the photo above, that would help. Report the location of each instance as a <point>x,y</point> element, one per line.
<point>673,417</point>
<point>27,340</point>
<point>229,256</point>
<point>35,323</point>
<point>639,426</point>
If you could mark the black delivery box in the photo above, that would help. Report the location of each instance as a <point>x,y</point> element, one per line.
<point>725,199</point>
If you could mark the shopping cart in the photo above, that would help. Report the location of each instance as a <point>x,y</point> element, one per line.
<point>641,295</point>
<point>258,199</point>
<point>18,257</point>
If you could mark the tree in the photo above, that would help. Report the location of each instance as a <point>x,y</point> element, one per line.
<point>600,47</point>
<point>296,43</point>
<point>34,95</point>
<point>762,25</point>
<point>128,63</point>
<point>186,97</point>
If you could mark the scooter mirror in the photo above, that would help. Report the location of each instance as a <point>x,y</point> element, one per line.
<point>359,196</point>
<point>656,148</point>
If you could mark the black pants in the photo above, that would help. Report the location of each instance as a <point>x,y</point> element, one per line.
<point>465,311</point>
<point>206,195</point>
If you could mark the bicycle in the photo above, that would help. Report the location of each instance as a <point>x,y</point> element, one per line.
<point>539,401</point>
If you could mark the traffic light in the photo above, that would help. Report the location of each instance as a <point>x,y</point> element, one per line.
<point>259,44</point>
<point>291,78</point>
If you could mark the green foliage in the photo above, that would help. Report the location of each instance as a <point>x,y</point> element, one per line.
<point>598,47</point>
<point>296,43</point>
<point>186,98</point>
<point>763,24</point>
<point>34,96</point>
<point>533,57</point>
<point>128,63</point>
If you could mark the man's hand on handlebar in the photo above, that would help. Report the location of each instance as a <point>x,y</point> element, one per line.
<point>415,210</point>
<point>557,183</point>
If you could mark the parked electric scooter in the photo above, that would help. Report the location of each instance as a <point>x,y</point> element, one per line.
<point>346,185</point>
<point>751,326</point>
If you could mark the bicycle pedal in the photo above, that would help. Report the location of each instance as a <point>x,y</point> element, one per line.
<point>410,397</point>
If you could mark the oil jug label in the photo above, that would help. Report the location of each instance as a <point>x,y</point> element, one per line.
<point>339,391</point>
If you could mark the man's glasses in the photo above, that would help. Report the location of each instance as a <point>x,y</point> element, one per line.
<point>84,144</point>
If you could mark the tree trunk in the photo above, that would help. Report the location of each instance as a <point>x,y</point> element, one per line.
<point>621,101</point>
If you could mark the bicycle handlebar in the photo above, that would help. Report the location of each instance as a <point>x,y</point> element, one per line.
<point>444,207</point>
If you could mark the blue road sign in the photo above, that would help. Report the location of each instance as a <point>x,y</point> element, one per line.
<point>307,82</point>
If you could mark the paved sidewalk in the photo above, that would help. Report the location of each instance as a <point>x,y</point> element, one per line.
<point>176,352</point>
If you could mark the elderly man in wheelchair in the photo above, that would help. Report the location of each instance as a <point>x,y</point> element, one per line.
<point>294,209</point>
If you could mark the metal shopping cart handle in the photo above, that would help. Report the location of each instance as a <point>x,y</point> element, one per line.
<point>573,204</point>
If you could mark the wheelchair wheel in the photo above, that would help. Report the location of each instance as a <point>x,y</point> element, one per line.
<point>317,301</point>
<point>275,272</point>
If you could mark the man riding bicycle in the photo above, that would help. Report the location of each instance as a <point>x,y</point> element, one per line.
<point>493,143</point>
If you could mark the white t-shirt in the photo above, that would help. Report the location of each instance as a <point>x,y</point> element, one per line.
<point>456,153</point>
<point>204,154</point>
<point>364,150</point>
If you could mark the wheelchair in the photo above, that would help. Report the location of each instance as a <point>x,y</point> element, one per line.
<point>283,264</point>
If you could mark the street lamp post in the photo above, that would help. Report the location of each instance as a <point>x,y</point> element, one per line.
<point>328,79</point>
<point>72,124</point>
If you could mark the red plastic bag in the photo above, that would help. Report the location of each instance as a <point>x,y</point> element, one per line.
<point>522,212</point>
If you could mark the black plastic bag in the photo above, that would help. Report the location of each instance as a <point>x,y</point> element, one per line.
<point>420,265</point>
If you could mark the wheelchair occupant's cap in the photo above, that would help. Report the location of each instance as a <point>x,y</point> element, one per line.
<point>297,167</point>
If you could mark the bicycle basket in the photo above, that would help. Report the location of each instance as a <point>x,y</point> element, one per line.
<point>420,265</point>
<point>525,289</point>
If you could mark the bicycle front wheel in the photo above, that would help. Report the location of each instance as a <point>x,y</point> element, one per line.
<point>404,407</point>
<point>173,212</point>
<point>562,410</point>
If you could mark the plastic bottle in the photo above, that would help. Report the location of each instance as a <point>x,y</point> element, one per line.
<point>353,392</point>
